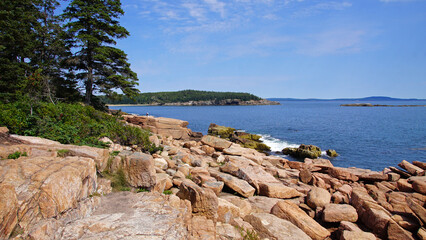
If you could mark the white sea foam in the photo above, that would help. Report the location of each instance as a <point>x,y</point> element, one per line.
<point>275,143</point>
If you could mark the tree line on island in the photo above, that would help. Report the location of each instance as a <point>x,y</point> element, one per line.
<point>179,97</point>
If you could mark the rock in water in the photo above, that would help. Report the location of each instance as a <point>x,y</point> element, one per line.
<point>303,151</point>
<point>332,153</point>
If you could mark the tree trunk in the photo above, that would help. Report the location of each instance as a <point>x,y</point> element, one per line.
<point>89,86</point>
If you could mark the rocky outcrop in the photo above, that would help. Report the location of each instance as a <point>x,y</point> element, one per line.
<point>200,189</point>
<point>37,188</point>
<point>246,140</point>
<point>303,151</point>
<point>163,126</point>
<point>132,216</point>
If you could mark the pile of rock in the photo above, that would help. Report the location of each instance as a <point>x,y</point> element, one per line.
<point>219,190</point>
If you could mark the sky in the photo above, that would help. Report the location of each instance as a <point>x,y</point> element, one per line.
<point>279,48</point>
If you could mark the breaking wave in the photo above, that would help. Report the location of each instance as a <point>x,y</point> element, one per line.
<point>276,144</point>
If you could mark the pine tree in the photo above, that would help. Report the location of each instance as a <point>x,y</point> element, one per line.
<point>101,67</point>
<point>51,52</point>
<point>18,21</point>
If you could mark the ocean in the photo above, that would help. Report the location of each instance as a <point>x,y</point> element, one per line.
<point>365,137</point>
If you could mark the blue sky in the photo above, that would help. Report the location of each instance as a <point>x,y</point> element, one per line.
<point>279,48</point>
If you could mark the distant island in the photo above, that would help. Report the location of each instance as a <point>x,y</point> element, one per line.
<point>366,99</point>
<point>377,105</point>
<point>190,98</point>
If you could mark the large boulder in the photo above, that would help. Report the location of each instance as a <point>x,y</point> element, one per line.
<point>370,212</point>
<point>303,151</point>
<point>291,212</point>
<point>272,227</point>
<point>339,212</point>
<point>236,184</point>
<point>215,142</point>
<point>318,197</point>
<point>204,201</point>
<point>139,169</point>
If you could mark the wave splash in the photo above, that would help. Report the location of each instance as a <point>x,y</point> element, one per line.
<point>276,144</point>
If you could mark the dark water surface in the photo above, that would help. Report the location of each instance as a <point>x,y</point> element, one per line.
<point>365,137</point>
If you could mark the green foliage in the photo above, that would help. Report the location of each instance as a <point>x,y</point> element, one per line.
<point>248,234</point>
<point>95,194</point>
<point>118,180</point>
<point>93,28</point>
<point>16,155</point>
<point>62,152</point>
<point>114,153</point>
<point>180,96</point>
<point>70,124</point>
<point>167,192</point>
<point>189,176</point>
<point>142,190</point>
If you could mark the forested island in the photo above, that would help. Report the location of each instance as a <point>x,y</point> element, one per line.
<point>189,98</point>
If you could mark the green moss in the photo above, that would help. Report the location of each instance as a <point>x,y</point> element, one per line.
<point>142,190</point>
<point>247,234</point>
<point>114,153</point>
<point>95,194</point>
<point>167,192</point>
<point>189,176</point>
<point>63,152</point>
<point>220,131</point>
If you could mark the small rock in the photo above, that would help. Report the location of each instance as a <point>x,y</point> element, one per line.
<point>332,153</point>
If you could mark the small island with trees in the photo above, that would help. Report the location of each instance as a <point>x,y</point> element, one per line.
<point>189,98</point>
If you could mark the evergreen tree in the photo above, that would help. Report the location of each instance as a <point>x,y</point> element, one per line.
<point>51,54</point>
<point>18,21</point>
<point>94,27</point>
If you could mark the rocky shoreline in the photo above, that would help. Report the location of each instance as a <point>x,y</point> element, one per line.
<point>226,102</point>
<point>198,187</point>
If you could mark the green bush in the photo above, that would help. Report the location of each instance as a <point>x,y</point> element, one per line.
<point>71,124</point>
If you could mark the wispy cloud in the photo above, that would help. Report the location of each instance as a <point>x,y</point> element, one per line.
<point>332,42</point>
<point>321,7</point>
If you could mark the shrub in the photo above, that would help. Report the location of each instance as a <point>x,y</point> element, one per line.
<point>71,124</point>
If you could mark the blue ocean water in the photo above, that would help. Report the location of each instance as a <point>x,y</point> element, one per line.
<point>365,137</point>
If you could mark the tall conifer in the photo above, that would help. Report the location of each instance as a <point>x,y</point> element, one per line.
<point>101,67</point>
